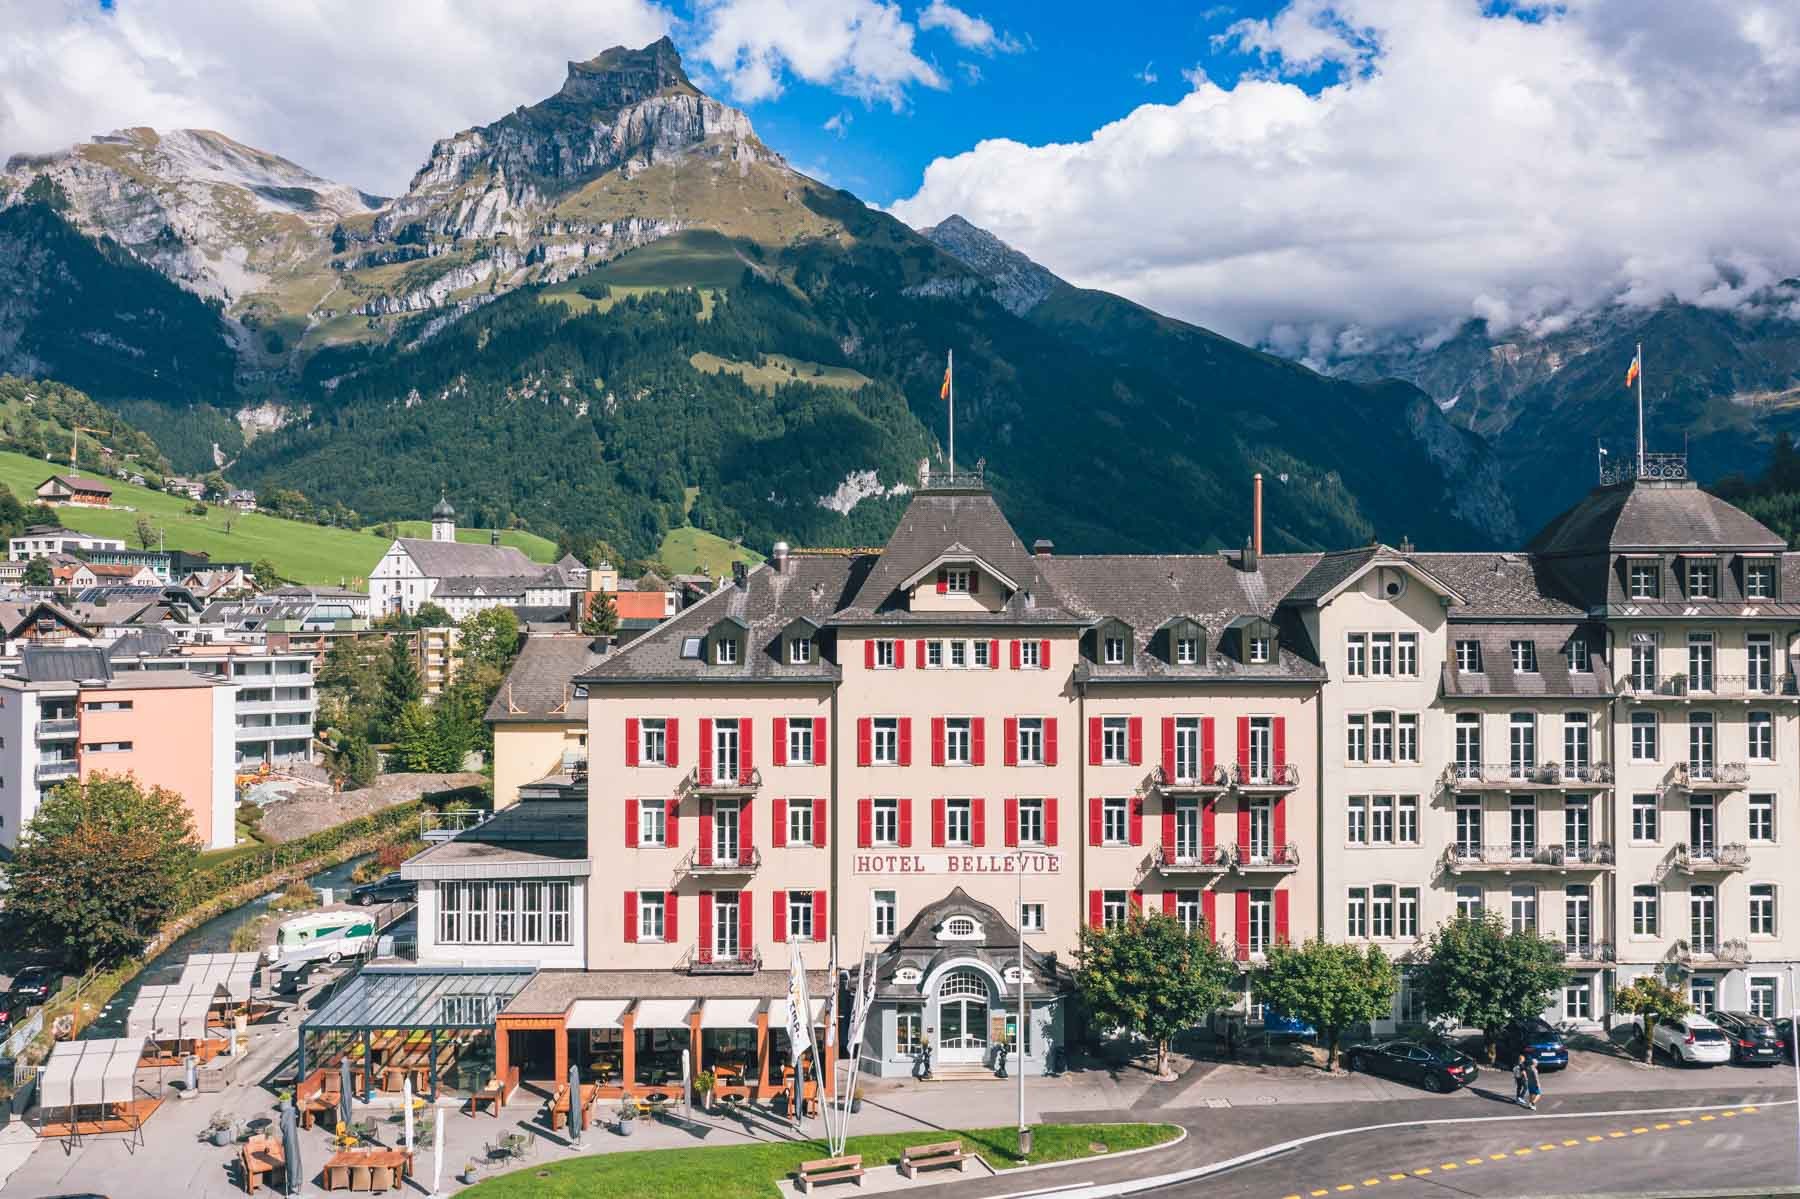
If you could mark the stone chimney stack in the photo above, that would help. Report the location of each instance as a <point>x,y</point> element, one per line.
<point>1043,547</point>
<point>778,557</point>
<point>740,573</point>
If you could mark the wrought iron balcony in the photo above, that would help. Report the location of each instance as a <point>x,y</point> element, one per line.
<point>1709,776</point>
<point>1712,953</point>
<point>1252,776</point>
<point>713,783</point>
<point>1710,686</point>
<point>1587,773</point>
<point>1207,859</point>
<point>1503,776</point>
<point>1202,782</point>
<point>1710,859</point>
<point>703,859</point>
<point>1282,859</point>
<point>58,730</point>
<point>1589,953</point>
<point>704,959</point>
<point>1508,858</point>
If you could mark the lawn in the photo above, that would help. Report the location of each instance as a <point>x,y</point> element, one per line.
<point>751,1171</point>
<point>302,552</point>
<point>688,550</point>
<point>778,369</point>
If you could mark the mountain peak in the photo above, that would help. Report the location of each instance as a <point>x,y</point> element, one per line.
<point>1019,283</point>
<point>622,76</point>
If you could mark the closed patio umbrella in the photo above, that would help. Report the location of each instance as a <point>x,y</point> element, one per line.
<point>577,1113</point>
<point>406,1102</point>
<point>293,1171</point>
<point>344,1093</point>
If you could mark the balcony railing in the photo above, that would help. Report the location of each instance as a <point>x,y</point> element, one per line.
<point>1516,776</point>
<point>713,783</point>
<point>704,959</point>
<point>1283,858</point>
<point>1709,776</point>
<point>1596,952</point>
<point>1252,776</point>
<point>704,859</point>
<point>1591,773</point>
<point>59,768</point>
<point>1712,686</point>
<point>1714,952</point>
<point>1216,779</point>
<point>1207,858</point>
<point>1711,859</point>
<point>1597,855</point>
<point>58,730</point>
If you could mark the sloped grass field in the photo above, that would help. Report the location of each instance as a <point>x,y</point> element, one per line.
<point>688,550</point>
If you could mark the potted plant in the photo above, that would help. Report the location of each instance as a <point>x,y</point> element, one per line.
<point>704,1083</point>
<point>221,1130</point>
<point>628,1114</point>
<point>471,1171</point>
<point>856,1101</point>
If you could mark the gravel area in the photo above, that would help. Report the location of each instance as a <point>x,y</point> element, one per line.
<point>314,809</point>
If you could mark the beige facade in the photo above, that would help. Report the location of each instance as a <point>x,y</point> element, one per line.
<point>528,750</point>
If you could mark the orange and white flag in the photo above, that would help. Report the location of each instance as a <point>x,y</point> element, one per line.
<point>944,391</point>
<point>1637,366</point>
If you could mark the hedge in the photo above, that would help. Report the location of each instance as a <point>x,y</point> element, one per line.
<point>206,883</point>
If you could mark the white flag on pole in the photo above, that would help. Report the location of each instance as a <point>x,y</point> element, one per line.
<point>799,1013</point>
<point>859,1011</point>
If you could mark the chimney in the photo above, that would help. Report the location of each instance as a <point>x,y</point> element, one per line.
<point>1256,514</point>
<point>740,573</point>
<point>494,538</point>
<point>1043,547</point>
<point>1248,560</point>
<point>778,557</point>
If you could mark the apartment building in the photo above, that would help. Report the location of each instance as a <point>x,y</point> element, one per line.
<point>276,705</point>
<point>65,714</point>
<point>539,717</point>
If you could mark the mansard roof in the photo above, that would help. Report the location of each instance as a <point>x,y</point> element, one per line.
<point>1553,678</point>
<point>1652,514</point>
<point>1499,584</point>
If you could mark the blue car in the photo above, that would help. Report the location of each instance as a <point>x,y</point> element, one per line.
<point>1535,1038</point>
<point>1276,1027</point>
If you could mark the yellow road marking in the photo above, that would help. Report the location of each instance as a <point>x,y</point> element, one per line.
<point>1371,1182</point>
<point>1571,1141</point>
<point>1471,1161</point>
<point>1320,1191</point>
<point>1748,1110</point>
<point>1496,1157</point>
<point>1396,1178</point>
<point>1348,1186</point>
<point>1704,1118</point>
<point>1290,1197</point>
<point>1639,1131</point>
<point>1664,1127</point>
<point>1448,1166</point>
<point>1546,1146</point>
<point>1525,1152</point>
<point>1615,1133</point>
<point>1684,1123</point>
<point>1728,1115</point>
<point>1592,1138</point>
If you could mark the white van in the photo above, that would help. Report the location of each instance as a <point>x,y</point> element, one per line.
<point>321,935</point>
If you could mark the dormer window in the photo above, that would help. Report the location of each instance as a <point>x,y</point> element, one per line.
<point>800,651</point>
<point>1702,578</point>
<point>1262,649</point>
<point>725,651</point>
<point>1524,657</point>
<point>957,580</point>
<point>1759,578</point>
<point>1468,656</point>
<point>1187,651</point>
<point>1578,654</point>
<point>1114,651</point>
<point>1644,578</point>
<point>960,928</point>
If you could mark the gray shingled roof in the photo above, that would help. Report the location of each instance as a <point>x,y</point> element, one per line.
<point>1499,584</point>
<point>1328,571</point>
<point>1652,514</point>
<point>453,559</point>
<point>541,684</point>
<point>1553,676</point>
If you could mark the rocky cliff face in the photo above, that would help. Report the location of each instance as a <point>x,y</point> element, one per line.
<point>1019,283</point>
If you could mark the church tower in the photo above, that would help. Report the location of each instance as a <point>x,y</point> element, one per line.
<point>443,520</point>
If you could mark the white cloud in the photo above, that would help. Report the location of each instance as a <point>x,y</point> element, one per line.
<point>1469,163</point>
<point>863,48</point>
<point>1147,76</point>
<point>969,32</point>
<point>356,91</point>
<point>839,123</point>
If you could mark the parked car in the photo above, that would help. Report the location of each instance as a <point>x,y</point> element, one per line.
<point>1692,1041</point>
<point>1754,1040</point>
<point>386,889</point>
<point>36,983</point>
<point>1434,1066</point>
<point>12,1012</point>
<point>1535,1038</point>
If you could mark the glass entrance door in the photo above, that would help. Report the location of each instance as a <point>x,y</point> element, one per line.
<point>725,832</point>
<point>963,1016</point>
<point>1187,832</point>
<point>725,751</point>
<point>725,927</point>
<point>1262,831</point>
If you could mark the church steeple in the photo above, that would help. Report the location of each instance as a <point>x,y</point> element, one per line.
<point>443,520</point>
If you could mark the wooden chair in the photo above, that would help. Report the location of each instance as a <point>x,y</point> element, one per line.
<point>262,1158</point>
<point>381,1178</point>
<point>359,1178</point>
<point>927,1157</point>
<point>828,1169</point>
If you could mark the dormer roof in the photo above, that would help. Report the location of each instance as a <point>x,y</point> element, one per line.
<point>1334,573</point>
<point>957,555</point>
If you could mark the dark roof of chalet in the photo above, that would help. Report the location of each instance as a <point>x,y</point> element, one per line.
<point>571,562</point>
<point>1652,514</point>
<point>80,483</point>
<point>63,663</point>
<point>1327,571</point>
<point>1552,678</point>
<point>1146,591</point>
<point>952,522</point>
<point>485,585</point>
<point>13,617</point>
<point>540,686</point>
<point>1500,584</point>
<point>456,559</point>
<point>813,585</point>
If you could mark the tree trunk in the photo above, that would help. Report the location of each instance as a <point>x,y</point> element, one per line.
<point>1649,1045</point>
<point>1162,1061</point>
<point>1331,1048</point>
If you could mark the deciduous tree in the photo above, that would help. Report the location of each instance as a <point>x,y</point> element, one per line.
<point>38,573</point>
<point>1329,986</point>
<point>1152,978</point>
<point>1482,975</point>
<point>490,637</point>
<point>1653,999</point>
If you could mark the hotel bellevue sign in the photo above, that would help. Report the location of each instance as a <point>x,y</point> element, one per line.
<point>985,865</point>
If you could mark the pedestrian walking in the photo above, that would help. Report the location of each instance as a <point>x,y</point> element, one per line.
<point>1533,1084</point>
<point>1520,1088</point>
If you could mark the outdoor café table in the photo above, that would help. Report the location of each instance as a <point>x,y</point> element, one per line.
<point>338,1168</point>
<point>262,1157</point>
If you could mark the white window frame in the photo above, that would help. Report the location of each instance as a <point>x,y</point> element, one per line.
<point>1030,747</point>
<point>653,824</point>
<point>800,650</point>
<point>1031,918</point>
<point>1758,571</point>
<point>934,655</point>
<point>1761,817</point>
<point>884,915</point>
<point>884,741</point>
<point>1187,651</point>
<point>1115,908</point>
<point>886,650</point>
<point>1115,820</point>
<point>1406,655</point>
<point>1030,655</point>
<point>1356,655</point>
<point>1113,651</point>
<point>959,822</point>
<point>1356,739</point>
<point>800,917</point>
<point>1468,656</point>
<point>884,811</point>
<point>1356,813</point>
<point>799,822</point>
<point>956,580</point>
<point>1646,735</point>
<point>1262,649</point>
<point>1640,808</point>
<point>725,651</point>
<point>1524,655</point>
<point>1031,821</point>
<point>959,741</point>
<point>1759,726</point>
<point>1643,578</point>
<point>653,917</point>
<point>1646,912</point>
<point>653,741</point>
<point>1356,913</point>
<point>800,746</point>
<point>1762,903</point>
<point>1115,740</point>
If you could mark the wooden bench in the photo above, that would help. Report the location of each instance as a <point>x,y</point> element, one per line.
<point>262,1157</point>
<point>828,1169</point>
<point>926,1157</point>
<point>557,1109</point>
<point>493,1094</point>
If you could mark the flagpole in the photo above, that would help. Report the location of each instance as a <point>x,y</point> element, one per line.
<point>1640,402</point>
<point>950,378</point>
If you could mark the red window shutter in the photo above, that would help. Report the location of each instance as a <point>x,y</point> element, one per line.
<point>746,746</point>
<point>1137,820</point>
<point>1168,826</point>
<point>746,923</point>
<point>631,824</point>
<point>631,741</point>
<point>631,917</point>
<point>1096,823</point>
<point>746,830</point>
<point>819,823</point>
<point>994,654</point>
<point>1169,898</point>
<point>899,654</point>
<point>821,757</point>
<point>1243,823</point>
<point>778,823</point>
<point>906,741</point>
<point>706,748</point>
<point>943,581</point>
<point>1137,902</point>
<point>919,654</point>
<point>978,822</point>
<point>1009,753</point>
<point>674,727</point>
<point>1050,723</point>
<point>706,923</point>
<point>706,830</point>
<point>1096,914</point>
<point>1243,925</point>
<point>1044,654</point>
<point>1207,759</point>
<point>864,735</point>
<point>1280,741</point>
<point>1281,917</point>
<point>906,824</point>
<point>1012,822</point>
<point>937,740</point>
<point>819,930</point>
<point>779,907</point>
<point>1094,741</point>
<point>1168,747</point>
<point>1278,821</point>
<point>1209,837</point>
<point>1243,745</point>
<point>1015,655</point>
<point>869,655</point>
<point>672,825</point>
<point>978,740</point>
<point>1050,822</point>
<point>671,917</point>
<point>865,818</point>
<point>778,745</point>
<point>937,823</point>
<point>1209,912</point>
<point>1136,739</point>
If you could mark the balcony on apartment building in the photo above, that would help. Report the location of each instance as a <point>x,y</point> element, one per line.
<point>1509,858</point>
<point>1193,859</point>
<point>1199,782</point>
<point>1589,953</point>
<point>1710,686</point>
<point>704,859</point>
<point>51,770</point>
<point>62,729</point>
<point>1523,776</point>
<point>1701,953</point>
<point>1265,776</point>
<point>704,959</point>
<point>711,782</point>
<point>1265,859</point>
<point>1718,777</point>
<point>1709,859</point>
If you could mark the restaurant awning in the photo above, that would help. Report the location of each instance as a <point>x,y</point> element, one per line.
<point>226,974</point>
<point>91,1072</point>
<point>416,997</point>
<point>171,1013</point>
<point>778,1012</point>
<point>596,1013</point>
<point>730,1013</point>
<point>663,1013</point>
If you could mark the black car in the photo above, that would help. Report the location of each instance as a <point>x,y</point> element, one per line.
<point>1754,1040</point>
<point>35,984</point>
<point>1535,1038</point>
<point>1435,1067</point>
<point>384,890</point>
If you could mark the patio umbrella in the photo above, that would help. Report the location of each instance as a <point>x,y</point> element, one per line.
<point>344,1092</point>
<point>290,1149</point>
<point>406,1102</point>
<point>437,1158</point>
<point>577,1113</point>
